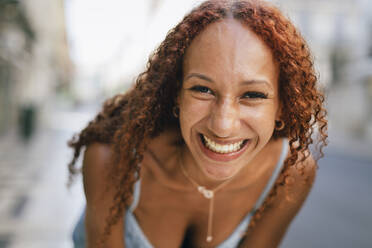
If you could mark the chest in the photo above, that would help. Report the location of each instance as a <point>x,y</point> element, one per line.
<point>171,218</point>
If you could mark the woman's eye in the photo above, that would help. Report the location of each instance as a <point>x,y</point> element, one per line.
<point>254,95</point>
<point>201,89</point>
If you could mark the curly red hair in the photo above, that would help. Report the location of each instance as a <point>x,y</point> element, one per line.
<point>130,120</point>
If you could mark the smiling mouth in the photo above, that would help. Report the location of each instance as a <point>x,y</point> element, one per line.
<point>222,148</point>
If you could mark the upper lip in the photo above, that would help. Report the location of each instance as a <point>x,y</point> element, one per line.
<point>224,141</point>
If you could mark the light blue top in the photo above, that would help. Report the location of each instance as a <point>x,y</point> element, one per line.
<point>134,236</point>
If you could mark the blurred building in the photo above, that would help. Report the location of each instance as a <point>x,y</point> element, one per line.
<point>339,33</point>
<point>34,59</point>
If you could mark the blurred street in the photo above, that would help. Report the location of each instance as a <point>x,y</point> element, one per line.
<point>338,211</point>
<point>39,211</point>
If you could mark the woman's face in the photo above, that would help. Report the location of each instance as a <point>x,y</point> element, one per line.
<point>229,98</point>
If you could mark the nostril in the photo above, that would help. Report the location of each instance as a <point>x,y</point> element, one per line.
<point>223,124</point>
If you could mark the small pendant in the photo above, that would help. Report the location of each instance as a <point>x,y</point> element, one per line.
<point>207,193</point>
<point>209,238</point>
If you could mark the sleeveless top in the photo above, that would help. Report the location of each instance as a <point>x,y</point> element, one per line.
<point>134,236</point>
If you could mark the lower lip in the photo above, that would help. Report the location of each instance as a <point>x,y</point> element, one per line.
<point>222,157</point>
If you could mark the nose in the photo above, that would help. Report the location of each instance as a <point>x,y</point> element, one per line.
<point>224,118</point>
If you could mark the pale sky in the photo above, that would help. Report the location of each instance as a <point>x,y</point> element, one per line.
<point>101,31</point>
<point>94,29</point>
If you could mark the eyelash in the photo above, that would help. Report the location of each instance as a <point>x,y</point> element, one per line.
<point>255,94</point>
<point>199,88</point>
<point>250,94</point>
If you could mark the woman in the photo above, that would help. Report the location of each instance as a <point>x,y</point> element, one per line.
<point>211,146</point>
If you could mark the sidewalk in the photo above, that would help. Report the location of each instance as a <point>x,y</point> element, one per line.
<point>38,211</point>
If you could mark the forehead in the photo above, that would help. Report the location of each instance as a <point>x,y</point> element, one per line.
<point>229,47</point>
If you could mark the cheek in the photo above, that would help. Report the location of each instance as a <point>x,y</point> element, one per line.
<point>192,112</point>
<point>260,118</point>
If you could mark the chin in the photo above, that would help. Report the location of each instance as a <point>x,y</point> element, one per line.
<point>218,173</point>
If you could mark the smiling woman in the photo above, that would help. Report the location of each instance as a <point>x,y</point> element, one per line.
<point>222,120</point>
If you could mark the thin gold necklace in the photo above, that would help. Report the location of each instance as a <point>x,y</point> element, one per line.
<point>208,194</point>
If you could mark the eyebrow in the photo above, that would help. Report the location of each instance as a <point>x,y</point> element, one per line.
<point>257,82</point>
<point>246,82</point>
<point>198,75</point>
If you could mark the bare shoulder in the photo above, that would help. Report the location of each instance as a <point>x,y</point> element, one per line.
<point>99,196</point>
<point>298,181</point>
<point>288,200</point>
<point>96,165</point>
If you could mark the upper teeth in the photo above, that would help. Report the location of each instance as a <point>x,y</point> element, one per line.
<point>222,148</point>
